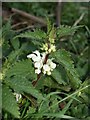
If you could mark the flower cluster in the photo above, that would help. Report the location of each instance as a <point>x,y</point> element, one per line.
<point>49,48</point>
<point>48,67</point>
<point>39,64</point>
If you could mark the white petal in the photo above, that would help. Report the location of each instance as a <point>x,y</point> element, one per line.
<point>48,73</point>
<point>53,65</point>
<point>38,64</point>
<point>37,53</point>
<point>37,71</point>
<point>36,58</point>
<point>46,67</point>
<point>49,61</point>
<point>18,96</point>
<point>43,56</point>
<point>44,71</point>
<point>30,55</point>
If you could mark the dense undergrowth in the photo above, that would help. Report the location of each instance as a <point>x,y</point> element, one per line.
<point>61,94</point>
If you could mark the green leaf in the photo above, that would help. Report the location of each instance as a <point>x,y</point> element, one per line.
<point>21,84</point>
<point>30,111</point>
<point>13,55</point>
<point>0,95</point>
<point>5,29</point>
<point>49,26</point>
<point>56,115</point>
<point>57,75</point>
<point>15,43</point>
<point>49,82</point>
<point>66,30</point>
<point>24,68</point>
<point>8,101</point>
<point>37,34</point>
<point>63,58</point>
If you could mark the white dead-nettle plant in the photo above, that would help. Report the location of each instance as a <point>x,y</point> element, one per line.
<point>39,59</point>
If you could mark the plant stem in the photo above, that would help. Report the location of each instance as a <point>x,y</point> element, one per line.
<point>39,75</point>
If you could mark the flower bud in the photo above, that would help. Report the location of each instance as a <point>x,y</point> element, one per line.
<point>52,40</point>
<point>37,71</point>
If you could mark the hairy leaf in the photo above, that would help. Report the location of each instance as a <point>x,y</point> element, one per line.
<point>15,43</point>
<point>8,101</point>
<point>63,58</point>
<point>22,68</point>
<point>37,34</point>
<point>58,76</point>
<point>21,84</point>
<point>66,30</point>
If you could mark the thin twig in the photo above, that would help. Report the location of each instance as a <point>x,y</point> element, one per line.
<point>18,24</point>
<point>24,29</point>
<point>78,20</point>
<point>39,75</point>
<point>58,12</point>
<point>29,16</point>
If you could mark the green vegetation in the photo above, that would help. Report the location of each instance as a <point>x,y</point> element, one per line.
<point>64,93</point>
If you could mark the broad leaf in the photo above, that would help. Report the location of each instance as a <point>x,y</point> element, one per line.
<point>24,68</point>
<point>21,84</point>
<point>15,43</point>
<point>63,58</point>
<point>8,101</point>
<point>63,31</point>
<point>59,76</point>
<point>37,34</point>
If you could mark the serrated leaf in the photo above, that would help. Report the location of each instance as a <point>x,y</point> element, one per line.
<point>37,34</point>
<point>66,30</point>
<point>49,26</point>
<point>15,43</point>
<point>48,81</point>
<point>13,55</point>
<point>56,74</point>
<point>5,29</point>
<point>30,111</point>
<point>24,68</point>
<point>8,102</point>
<point>63,58</point>
<point>21,84</point>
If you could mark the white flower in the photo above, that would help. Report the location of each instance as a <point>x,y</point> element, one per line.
<point>46,69</point>
<point>37,71</point>
<point>43,56</point>
<point>48,72</point>
<point>51,64</point>
<point>37,53</point>
<point>38,64</point>
<point>35,56</point>
<point>18,96</point>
